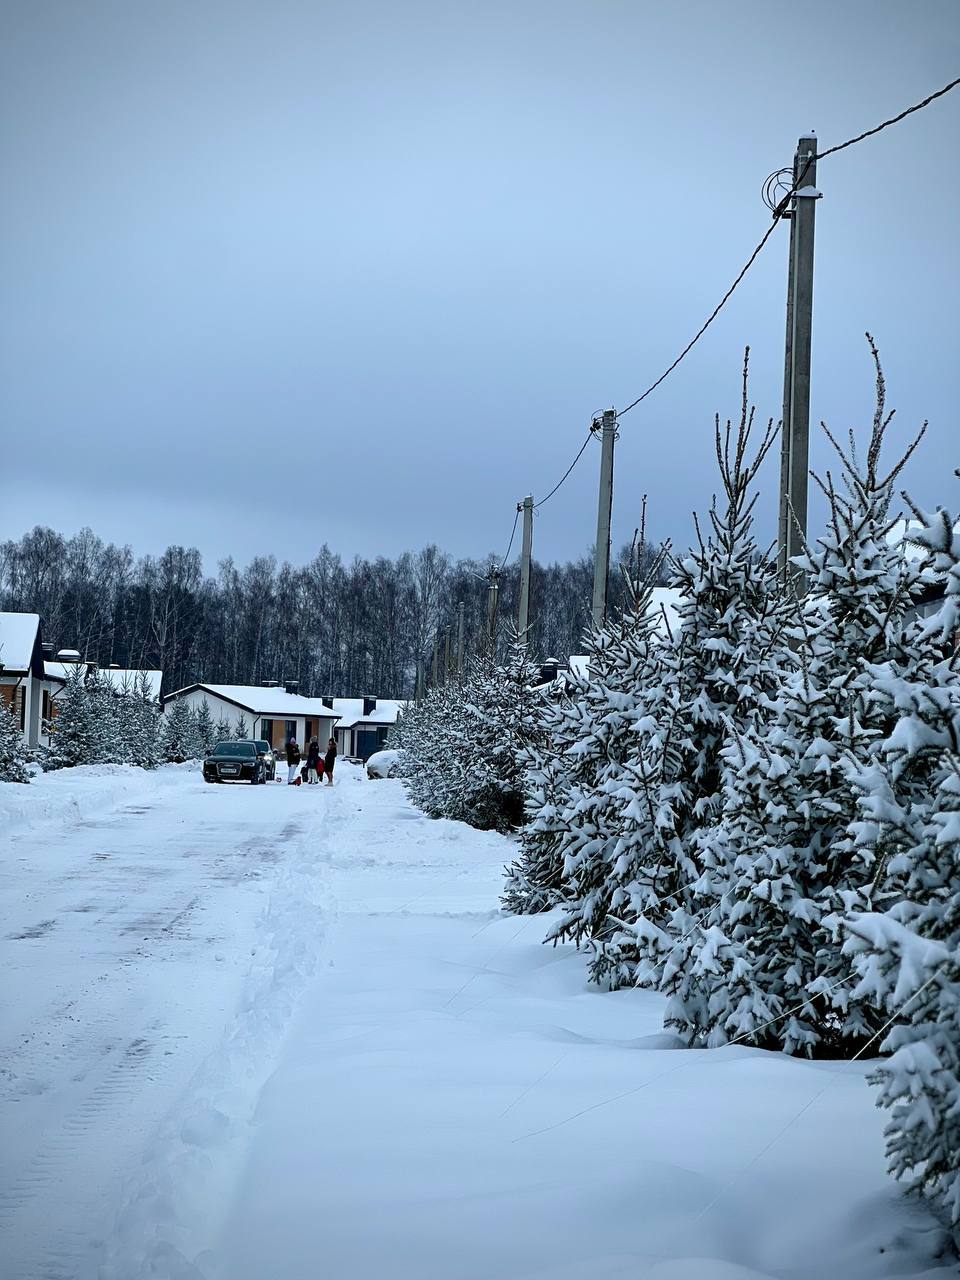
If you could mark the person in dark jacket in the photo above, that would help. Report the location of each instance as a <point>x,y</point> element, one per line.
<point>293,759</point>
<point>329,760</point>
<point>313,761</point>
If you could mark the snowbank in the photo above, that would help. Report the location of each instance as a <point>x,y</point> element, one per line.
<point>67,795</point>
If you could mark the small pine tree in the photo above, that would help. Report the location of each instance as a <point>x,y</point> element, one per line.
<point>178,737</point>
<point>141,723</point>
<point>240,729</point>
<point>907,957</point>
<point>107,711</point>
<point>206,734</point>
<point>14,756</point>
<point>221,732</point>
<point>74,732</point>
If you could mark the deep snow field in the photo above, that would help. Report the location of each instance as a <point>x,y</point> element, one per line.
<point>272,1033</point>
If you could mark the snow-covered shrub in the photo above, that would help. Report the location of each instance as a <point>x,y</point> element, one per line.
<point>907,957</point>
<point>767,964</point>
<point>14,756</point>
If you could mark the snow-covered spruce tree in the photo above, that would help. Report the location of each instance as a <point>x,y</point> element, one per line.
<point>221,730</point>
<point>592,800</point>
<point>140,723</point>
<point>767,966</point>
<point>907,957</point>
<point>240,728</point>
<point>14,756</point>
<point>462,744</point>
<point>718,672</point>
<point>107,711</point>
<point>499,723</point>
<point>73,730</point>
<point>205,730</point>
<point>178,737</point>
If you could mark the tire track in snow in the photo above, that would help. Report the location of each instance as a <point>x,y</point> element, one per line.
<point>169,1211</point>
<point>35,1246</point>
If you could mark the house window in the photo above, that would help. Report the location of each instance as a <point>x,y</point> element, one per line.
<point>266,731</point>
<point>290,730</point>
<point>307,730</point>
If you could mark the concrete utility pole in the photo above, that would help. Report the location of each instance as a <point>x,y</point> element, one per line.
<point>525,557</point>
<point>436,656</point>
<point>446,654</point>
<point>794,444</point>
<point>494,606</point>
<point>601,564</point>
<point>460,638</point>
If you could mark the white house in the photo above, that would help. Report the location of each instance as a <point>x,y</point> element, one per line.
<point>22,686</point>
<point>270,710</point>
<point>363,723</point>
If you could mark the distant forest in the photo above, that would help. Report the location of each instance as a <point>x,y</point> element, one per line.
<point>342,630</point>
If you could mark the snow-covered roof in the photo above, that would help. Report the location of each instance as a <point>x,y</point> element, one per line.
<point>261,700</point>
<point>126,678</point>
<point>18,636</point>
<point>350,711</point>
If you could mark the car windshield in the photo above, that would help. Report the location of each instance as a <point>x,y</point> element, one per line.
<point>236,749</point>
<point>262,745</point>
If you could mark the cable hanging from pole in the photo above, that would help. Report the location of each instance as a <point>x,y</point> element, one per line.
<point>591,434</point>
<point>779,211</point>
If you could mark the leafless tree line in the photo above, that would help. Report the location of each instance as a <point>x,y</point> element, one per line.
<point>343,629</point>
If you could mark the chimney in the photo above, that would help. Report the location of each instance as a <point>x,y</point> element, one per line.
<point>549,670</point>
<point>270,684</point>
<point>369,706</point>
<point>327,702</point>
<point>48,650</point>
<point>68,655</point>
<point>292,686</point>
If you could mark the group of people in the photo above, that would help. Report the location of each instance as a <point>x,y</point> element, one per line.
<point>317,766</point>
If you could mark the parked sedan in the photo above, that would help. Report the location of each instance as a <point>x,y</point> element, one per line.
<point>234,762</point>
<point>266,753</point>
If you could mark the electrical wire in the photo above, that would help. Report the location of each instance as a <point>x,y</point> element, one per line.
<point>513,534</point>
<point>893,120</point>
<point>778,213</point>
<point>590,436</point>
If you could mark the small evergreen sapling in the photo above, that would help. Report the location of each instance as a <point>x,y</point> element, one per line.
<point>206,733</point>
<point>240,728</point>
<point>14,756</point>
<point>178,739</point>
<point>74,737</point>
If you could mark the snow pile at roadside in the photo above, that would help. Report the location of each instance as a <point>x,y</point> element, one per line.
<point>68,795</point>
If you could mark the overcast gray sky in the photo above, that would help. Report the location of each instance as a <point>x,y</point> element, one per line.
<point>274,274</point>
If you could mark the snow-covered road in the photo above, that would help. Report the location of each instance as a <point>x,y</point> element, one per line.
<point>273,1034</point>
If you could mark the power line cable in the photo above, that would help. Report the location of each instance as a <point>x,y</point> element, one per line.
<point>513,534</point>
<point>778,213</point>
<point>590,435</point>
<point>893,120</point>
